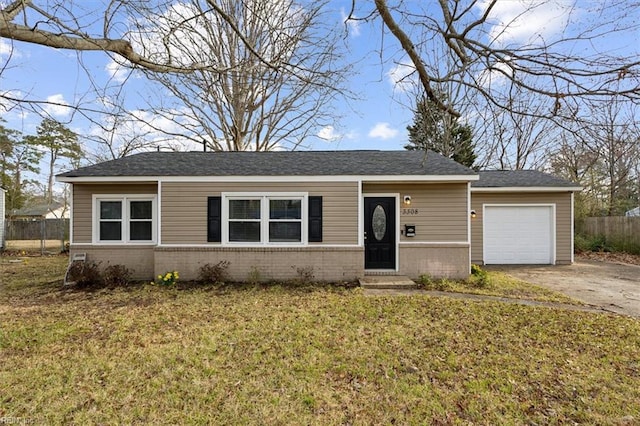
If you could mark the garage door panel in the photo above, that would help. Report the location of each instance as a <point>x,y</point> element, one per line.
<point>518,235</point>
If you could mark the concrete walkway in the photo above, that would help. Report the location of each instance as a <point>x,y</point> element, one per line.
<point>610,286</point>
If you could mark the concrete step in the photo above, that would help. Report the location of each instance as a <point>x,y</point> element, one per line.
<point>387,282</point>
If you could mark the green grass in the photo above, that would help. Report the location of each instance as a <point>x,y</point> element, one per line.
<point>498,284</point>
<point>304,355</point>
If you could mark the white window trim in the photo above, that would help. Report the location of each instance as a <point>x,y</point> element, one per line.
<point>264,217</point>
<point>125,199</point>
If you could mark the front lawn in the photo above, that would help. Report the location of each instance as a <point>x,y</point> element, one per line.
<point>305,355</point>
<point>498,284</point>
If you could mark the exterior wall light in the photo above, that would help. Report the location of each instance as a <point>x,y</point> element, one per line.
<point>473,214</point>
<point>407,200</point>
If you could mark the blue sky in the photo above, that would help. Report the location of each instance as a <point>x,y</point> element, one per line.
<point>374,121</point>
<point>377,120</point>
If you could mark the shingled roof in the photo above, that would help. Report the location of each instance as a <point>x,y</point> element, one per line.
<point>519,179</point>
<point>291,163</point>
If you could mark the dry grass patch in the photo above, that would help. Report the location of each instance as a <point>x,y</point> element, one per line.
<point>498,284</point>
<point>307,355</point>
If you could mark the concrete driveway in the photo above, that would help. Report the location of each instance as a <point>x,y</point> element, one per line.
<point>609,286</point>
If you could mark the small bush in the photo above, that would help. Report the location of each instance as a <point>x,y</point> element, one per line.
<point>85,274</point>
<point>428,283</point>
<point>480,276</point>
<point>168,279</point>
<point>305,274</point>
<point>212,274</point>
<point>116,275</point>
<point>425,281</point>
<point>595,243</point>
<point>254,276</point>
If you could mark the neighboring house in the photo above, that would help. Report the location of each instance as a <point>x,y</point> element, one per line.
<point>633,212</point>
<point>2,201</point>
<point>53,210</point>
<point>341,214</point>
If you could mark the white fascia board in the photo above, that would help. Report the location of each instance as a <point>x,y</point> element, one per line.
<point>337,178</point>
<point>528,189</point>
<point>108,179</point>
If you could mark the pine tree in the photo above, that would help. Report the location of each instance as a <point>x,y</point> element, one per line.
<point>59,143</point>
<point>441,132</point>
<point>17,157</point>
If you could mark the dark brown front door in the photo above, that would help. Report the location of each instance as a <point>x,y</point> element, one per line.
<point>379,233</point>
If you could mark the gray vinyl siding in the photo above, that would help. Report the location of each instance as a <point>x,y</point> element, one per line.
<point>442,209</point>
<point>184,208</point>
<point>83,210</point>
<point>562,201</point>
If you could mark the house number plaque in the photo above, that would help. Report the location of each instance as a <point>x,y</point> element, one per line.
<point>409,212</point>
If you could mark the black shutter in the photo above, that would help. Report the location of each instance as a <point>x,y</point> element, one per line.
<point>315,219</point>
<point>214,220</point>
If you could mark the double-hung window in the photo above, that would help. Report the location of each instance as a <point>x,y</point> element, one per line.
<point>285,220</point>
<point>245,220</point>
<point>124,219</point>
<point>265,219</point>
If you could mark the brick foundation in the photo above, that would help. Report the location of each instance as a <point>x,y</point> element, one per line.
<point>272,263</point>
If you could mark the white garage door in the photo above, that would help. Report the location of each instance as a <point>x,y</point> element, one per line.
<point>518,235</point>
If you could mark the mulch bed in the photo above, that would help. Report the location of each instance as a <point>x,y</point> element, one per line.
<point>601,256</point>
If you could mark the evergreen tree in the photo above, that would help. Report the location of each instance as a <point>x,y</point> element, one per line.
<point>441,132</point>
<point>59,143</point>
<point>18,155</point>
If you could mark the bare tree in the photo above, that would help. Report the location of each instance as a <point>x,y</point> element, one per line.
<point>615,139</point>
<point>512,141</point>
<point>250,102</point>
<point>467,28</point>
<point>603,156</point>
<point>491,64</point>
<point>240,74</point>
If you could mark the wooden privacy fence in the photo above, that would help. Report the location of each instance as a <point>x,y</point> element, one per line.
<point>30,234</point>
<point>623,230</point>
<point>37,229</point>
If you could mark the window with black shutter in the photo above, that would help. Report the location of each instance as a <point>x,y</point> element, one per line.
<point>214,219</point>
<point>315,219</point>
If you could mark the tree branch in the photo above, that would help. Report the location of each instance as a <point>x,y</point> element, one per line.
<point>408,46</point>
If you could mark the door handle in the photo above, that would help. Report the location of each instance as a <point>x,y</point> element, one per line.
<point>365,236</point>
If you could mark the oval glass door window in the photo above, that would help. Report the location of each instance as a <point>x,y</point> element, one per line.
<point>379,222</point>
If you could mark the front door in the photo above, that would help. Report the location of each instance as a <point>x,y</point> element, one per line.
<point>379,233</point>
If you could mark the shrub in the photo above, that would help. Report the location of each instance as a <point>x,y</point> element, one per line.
<point>305,274</point>
<point>116,275</point>
<point>168,279</point>
<point>591,243</point>
<point>211,274</point>
<point>425,281</point>
<point>428,283</point>
<point>481,278</point>
<point>85,274</point>
<point>254,276</point>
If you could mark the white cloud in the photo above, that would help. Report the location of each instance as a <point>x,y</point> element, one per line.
<point>328,133</point>
<point>7,49</point>
<point>524,21</point>
<point>402,76</point>
<point>382,131</point>
<point>352,25</point>
<point>495,76</point>
<point>57,106</point>
<point>116,71</point>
